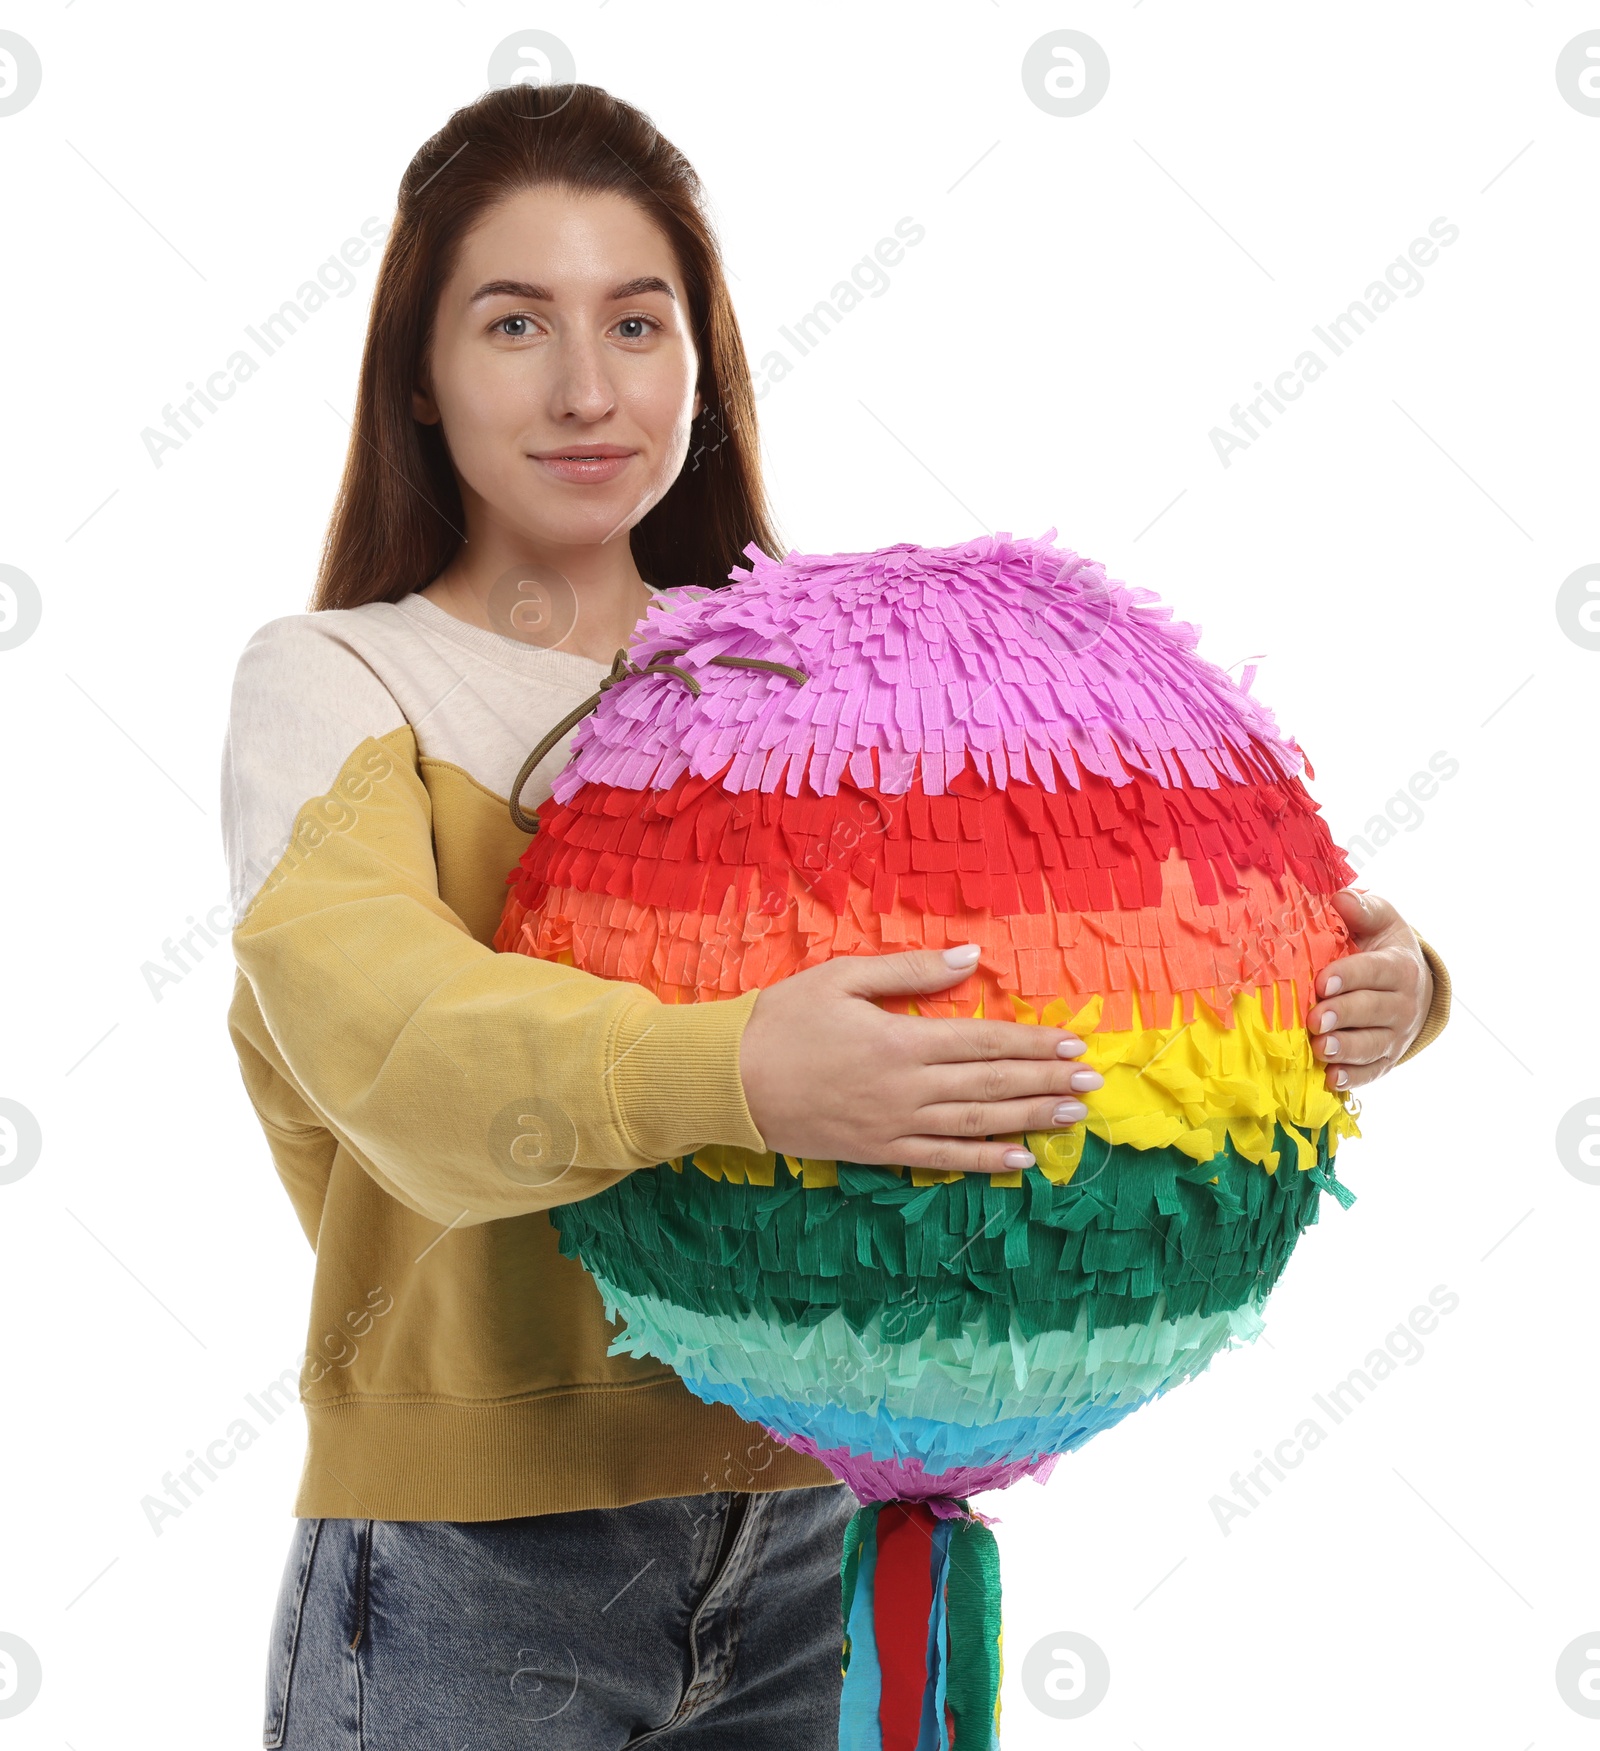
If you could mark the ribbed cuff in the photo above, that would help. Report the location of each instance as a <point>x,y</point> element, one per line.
<point>675,1077</point>
<point>1438,1010</point>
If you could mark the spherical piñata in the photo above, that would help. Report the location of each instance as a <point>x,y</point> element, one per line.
<point>990,743</point>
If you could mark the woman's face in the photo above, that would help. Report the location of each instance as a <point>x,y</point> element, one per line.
<point>562,334</point>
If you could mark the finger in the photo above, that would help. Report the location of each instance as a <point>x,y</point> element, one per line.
<point>1359,1009</point>
<point>992,1118</point>
<point>1341,1078</point>
<point>1003,1079</point>
<point>955,1040</point>
<point>993,1156</point>
<point>918,972</point>
<point>1361,972</point>
<point>1355,1046</point>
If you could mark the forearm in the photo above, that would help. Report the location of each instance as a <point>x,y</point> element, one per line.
<point>471,1085</point>
<point>474,1085</point>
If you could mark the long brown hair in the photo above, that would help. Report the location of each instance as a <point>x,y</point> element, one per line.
<point>398,521</point>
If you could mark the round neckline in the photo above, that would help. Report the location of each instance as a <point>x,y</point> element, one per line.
<point>496,646</point>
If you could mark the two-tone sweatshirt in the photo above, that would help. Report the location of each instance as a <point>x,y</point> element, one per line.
<point>456,1363</point>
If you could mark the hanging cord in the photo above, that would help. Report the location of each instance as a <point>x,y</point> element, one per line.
<point>623,670</point>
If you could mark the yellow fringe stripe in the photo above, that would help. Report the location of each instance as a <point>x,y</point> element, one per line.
<point>1189,1086</point>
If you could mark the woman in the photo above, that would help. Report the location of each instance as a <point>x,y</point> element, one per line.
<point>505,1536</point>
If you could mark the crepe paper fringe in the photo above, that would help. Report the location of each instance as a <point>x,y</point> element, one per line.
<point>860,1728</point>
<point>907,1480</point>
<point>937,1446</point>
<point>1134,1235</point>
<point>1136,964</point>
<point>1095,845</point>
<point>1017,653</point>
<point>966,1380</point>
<point>923,1649</point>
<point>882,1434</point>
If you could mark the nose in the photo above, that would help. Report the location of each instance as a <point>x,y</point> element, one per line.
<point>582,387</point>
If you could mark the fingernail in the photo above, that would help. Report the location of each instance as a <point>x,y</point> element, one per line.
<point>1341,1078</point>
<point>1335,985</point>
<point>962,957</point>
<point>1017,1158</point>
<point>1069,1048</point>
<point>1087,1079</point>
<point>1069,1112</point>
<point>1329,1047</point>
<point>1328,1023</point>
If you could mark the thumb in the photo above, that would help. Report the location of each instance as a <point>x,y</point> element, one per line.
<point>1365,915</point>
<point>917,972</point>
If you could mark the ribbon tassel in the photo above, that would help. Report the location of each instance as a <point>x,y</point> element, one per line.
<point>920,1598</point>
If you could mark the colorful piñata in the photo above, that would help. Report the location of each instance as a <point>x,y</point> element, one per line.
<point>990,743</point>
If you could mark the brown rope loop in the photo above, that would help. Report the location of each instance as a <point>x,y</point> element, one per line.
<point>623,670</point>
<point>794,674</point>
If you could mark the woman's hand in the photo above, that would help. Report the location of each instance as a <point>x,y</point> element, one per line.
<point>829,1075</point>
<point>1374,1002</point>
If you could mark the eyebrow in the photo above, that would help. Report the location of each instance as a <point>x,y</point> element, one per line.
<point>543,294</point>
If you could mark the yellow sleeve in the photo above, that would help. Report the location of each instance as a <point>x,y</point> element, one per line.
<point>1439,1010</point>
<point>471,1085</point>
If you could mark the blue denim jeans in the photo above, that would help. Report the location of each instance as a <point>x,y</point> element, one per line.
<point>692,1623</point>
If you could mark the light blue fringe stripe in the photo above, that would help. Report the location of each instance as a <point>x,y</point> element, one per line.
<point>937,1445</point>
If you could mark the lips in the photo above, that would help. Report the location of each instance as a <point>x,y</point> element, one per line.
<point>581,452</point>
<point>594,463</point>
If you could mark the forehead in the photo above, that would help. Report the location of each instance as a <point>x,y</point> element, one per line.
<point>568,240</point>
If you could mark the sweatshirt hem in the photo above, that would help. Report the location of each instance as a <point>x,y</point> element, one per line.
<point>557,1453</point>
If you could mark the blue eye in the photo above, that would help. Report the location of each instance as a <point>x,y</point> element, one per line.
<point>501,324</point>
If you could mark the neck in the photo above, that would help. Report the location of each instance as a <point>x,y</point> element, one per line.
<point>584,599</point>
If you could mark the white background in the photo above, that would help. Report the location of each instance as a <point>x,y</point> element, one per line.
<point>1092,296</point>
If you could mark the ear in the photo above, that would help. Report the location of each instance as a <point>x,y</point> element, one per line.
<point>699,405</point>
<point>424,408</point>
